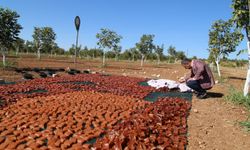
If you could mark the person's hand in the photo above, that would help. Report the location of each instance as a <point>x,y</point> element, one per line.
<point>191,79</point>
<point>182,79</point>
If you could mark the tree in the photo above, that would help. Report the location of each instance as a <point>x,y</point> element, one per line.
<point>194,57</point>
<point>72,50</point>
<point>57,50</point>
<point>171,52</point>
<point>18,44</point>
<point>44,39</point>
<point>29,46</point>
<point>110,54</point>
<point>241,19</point>
<point>84,52</point>
<point>117,50</point>
<point>126,54</point>
<point>48,39</point>
<point>223,40</point>
<point>107,39</point>
<point>180,55</point>
<point>37,39</point>
<point>159,52</point>
<point>134,53</point>
<point>9,30</point>
<point>95,52</point>
<point>145,46</point>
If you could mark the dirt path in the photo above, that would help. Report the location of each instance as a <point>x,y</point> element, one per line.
<point>213,122</point>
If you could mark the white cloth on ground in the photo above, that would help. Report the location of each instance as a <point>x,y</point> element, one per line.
<point>169,84</point>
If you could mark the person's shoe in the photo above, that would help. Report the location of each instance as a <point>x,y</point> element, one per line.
<point>195,93</point>
<point>202,96</point>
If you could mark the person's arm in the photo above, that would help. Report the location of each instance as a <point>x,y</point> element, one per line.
<point>188,76</point>
<point>185,78</point>
<point>200,69</point>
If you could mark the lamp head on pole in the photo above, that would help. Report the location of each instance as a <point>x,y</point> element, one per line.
<point>77,22</point>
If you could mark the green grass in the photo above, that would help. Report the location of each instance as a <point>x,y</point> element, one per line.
<point>246,124</point>
<point>238,98</point>
<point>8,64</point>
<point>222,79</point>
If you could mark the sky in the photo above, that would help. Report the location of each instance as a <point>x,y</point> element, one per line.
<point>184,24</point>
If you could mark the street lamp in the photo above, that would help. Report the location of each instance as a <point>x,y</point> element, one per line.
<point>77,25</point>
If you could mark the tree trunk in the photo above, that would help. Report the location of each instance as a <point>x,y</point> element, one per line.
<point>17,50</point>
<point>175,60</point>
<point>247,83</point>
<point>38,53</point>
<point>142,59</point>
<point>158,58</point>
<point>51,53</point>
<point>218,66</point>
<point>133,59</point>
<point>116,57</point>
<point>4,57</point>
<point>103,58</point>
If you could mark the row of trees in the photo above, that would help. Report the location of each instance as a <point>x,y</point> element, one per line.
<point>132,54</point>
<point>129,54</point>
<point>108,42</point>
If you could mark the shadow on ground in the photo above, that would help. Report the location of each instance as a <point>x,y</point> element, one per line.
<point>236,78</point>
<point>214,95</point>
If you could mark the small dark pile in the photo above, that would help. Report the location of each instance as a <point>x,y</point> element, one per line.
<point>43,75</point>
<point>162,125</point>
<point>28,76</point>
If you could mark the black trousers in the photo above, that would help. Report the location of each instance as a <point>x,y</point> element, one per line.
<point>195,85</point>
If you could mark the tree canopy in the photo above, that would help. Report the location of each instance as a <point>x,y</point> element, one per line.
<point>241,15</point>
<point>9,27</point>
<point>172,51</point>
<point>107,39</point>
<point>9,30</point>
<point>145,46</point>
<point>223,39</point>
<point>44,39</point>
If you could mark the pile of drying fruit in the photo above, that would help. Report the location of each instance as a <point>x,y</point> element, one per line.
<point>118,85</point>
<point>161,125</point>
<point>63,121</point>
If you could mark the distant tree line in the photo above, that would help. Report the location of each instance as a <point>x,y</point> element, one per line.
<point>108,45</point>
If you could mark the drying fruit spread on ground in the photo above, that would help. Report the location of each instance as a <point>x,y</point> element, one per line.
<point>89,111</point>
<point>118,85</point>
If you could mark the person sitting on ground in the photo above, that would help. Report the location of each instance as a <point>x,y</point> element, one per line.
<point>200,79</point>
